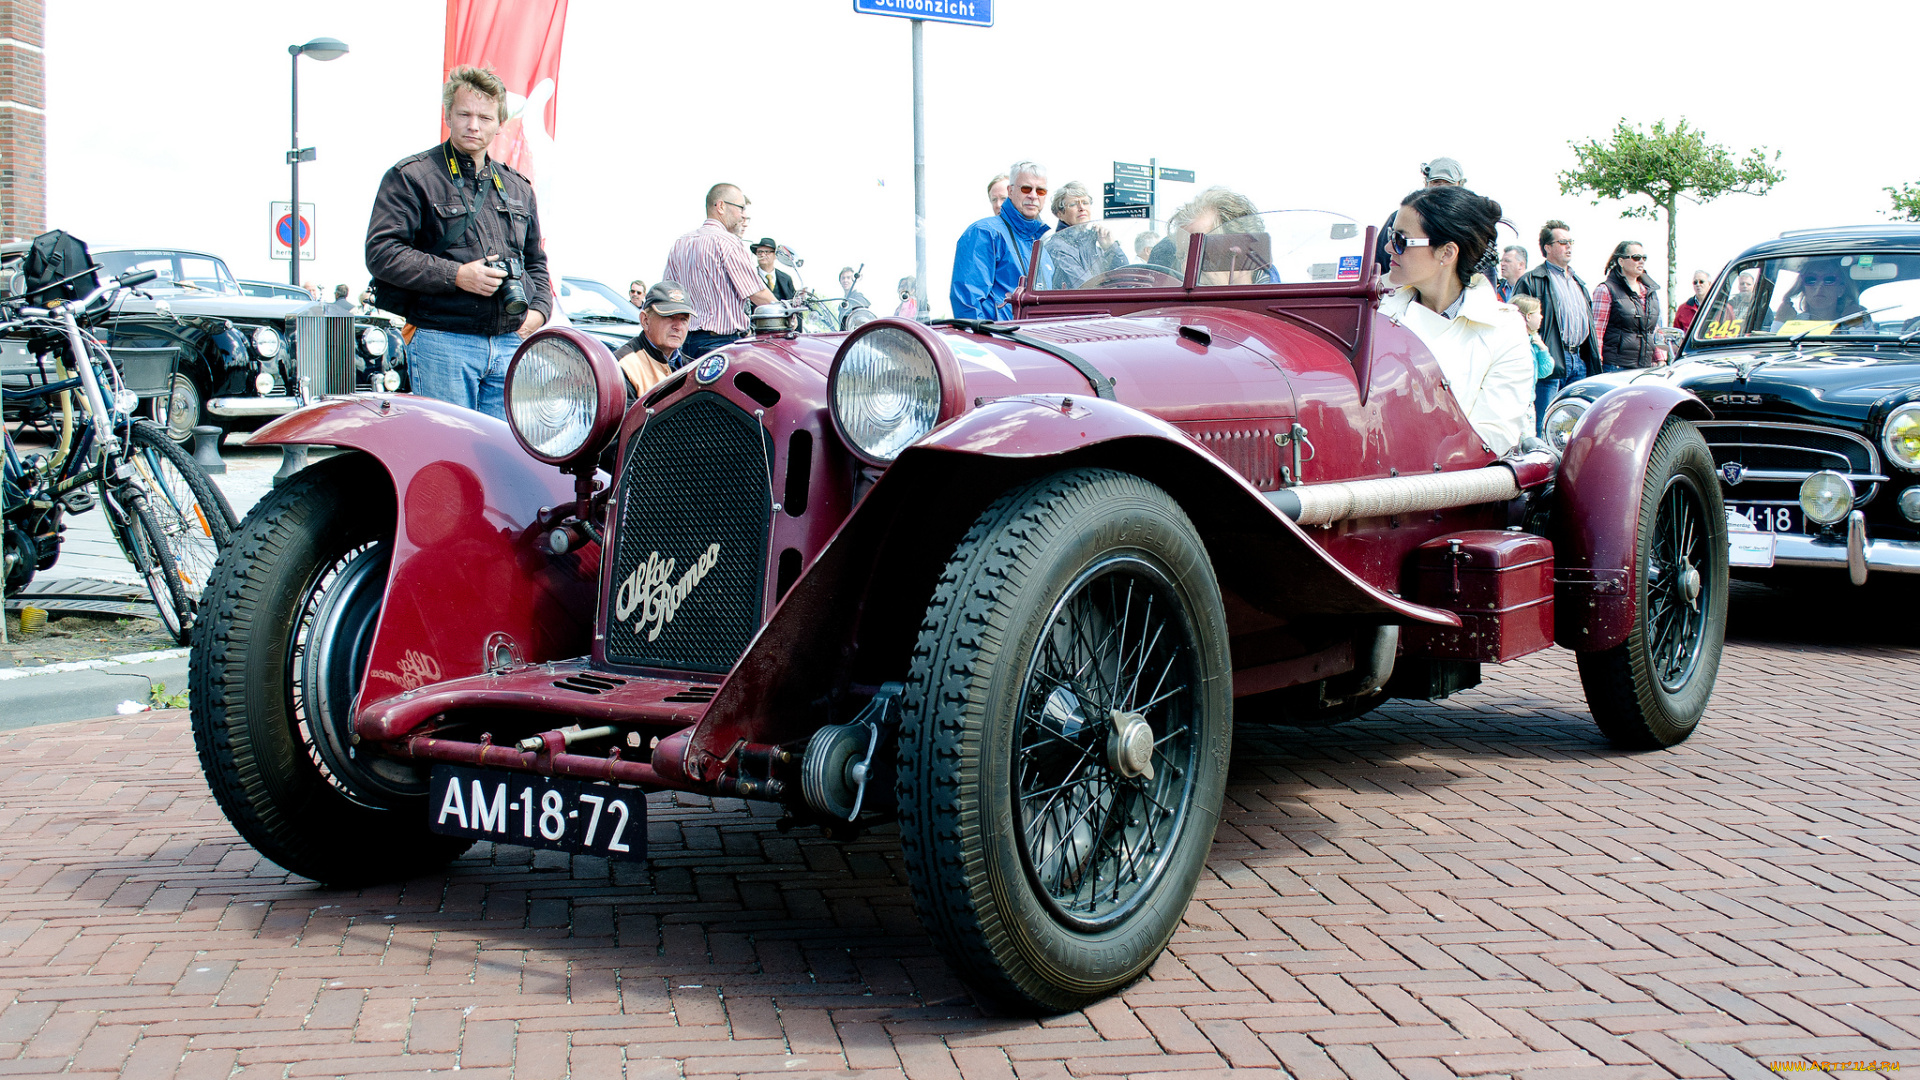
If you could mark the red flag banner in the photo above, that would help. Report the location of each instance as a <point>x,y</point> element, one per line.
<point>520,41</point>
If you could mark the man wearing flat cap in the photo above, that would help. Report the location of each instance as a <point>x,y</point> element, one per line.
<point>777,279</point>
<point>653,353</point>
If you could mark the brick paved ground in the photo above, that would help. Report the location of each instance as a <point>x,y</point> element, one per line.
<point>1473,888</point>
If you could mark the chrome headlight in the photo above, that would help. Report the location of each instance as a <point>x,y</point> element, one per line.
<point>1562,415</point>
<point>886,391</point>
<point>563,395</point>
<point>263,384</point>
<point>1826,497</point>
<point>1910,504</point>
<point>266,342</point>
<point>374,340</point>
<point>1901,436</point>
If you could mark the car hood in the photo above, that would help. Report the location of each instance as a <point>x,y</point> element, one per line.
<point>1843,383</point>
<point>252,309</point>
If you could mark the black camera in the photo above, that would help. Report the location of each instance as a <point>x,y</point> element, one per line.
<point>511,289</point>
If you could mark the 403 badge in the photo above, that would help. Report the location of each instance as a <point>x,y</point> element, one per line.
<point>587,818</point>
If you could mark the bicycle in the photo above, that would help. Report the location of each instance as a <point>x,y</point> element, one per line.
<point>162,508</point>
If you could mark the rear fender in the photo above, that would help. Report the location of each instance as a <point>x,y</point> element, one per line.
<point>853,615</point>
<point>1596,516</point>
<point>466,578</point>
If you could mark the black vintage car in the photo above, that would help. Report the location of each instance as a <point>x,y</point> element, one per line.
<point>201,351</point>
<point>1807,351</point>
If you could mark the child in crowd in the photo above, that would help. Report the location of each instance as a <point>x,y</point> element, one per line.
<point>1542,361</point>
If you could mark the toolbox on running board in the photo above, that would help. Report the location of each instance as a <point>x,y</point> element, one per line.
<point>1499,583</point>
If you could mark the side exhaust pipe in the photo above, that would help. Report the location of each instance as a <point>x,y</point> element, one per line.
<point>1324,504</point>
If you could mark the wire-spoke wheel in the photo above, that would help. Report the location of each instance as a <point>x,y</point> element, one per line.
<point>1064,739</point>
<point>1650,691</point>
<point>143,542</point>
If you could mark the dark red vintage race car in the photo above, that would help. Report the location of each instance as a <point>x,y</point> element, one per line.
<point>1007,584</point>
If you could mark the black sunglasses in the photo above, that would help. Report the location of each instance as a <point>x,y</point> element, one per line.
<point>1398,242</point>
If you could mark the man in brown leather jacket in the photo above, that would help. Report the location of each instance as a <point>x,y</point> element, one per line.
<point>454,246</point>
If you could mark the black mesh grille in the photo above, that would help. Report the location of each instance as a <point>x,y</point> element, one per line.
<point>693,493</point>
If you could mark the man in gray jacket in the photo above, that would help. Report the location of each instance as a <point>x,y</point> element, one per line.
<point>454,246</point>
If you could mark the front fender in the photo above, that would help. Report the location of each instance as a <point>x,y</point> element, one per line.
<point>1596,519</point>
<point>465,576</point>
<point>852,616</point>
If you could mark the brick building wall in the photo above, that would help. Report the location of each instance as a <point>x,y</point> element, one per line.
<point>23,120</point>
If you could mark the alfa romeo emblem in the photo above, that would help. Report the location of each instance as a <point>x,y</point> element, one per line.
<point>1733,472</point>
<point>709,368</point>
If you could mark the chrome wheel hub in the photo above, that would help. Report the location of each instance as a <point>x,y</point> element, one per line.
<point>1130,747</point>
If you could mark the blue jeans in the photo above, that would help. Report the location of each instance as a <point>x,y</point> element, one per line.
<point>701,342</point>
<point>1544,391</point>
<point>464,369</point>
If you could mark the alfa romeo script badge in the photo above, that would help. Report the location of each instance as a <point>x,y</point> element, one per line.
<point>1732,472</point>
<point>709,368</point>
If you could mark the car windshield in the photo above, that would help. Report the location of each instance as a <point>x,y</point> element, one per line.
<point>177,273</point>
<point>1242,246</point>
<point>1843,294</point>
<point>586,300</point>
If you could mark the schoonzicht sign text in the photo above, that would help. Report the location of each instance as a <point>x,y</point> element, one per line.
<point>964,12</point>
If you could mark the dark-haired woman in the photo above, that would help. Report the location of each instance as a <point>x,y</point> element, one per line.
<point>1438,236</point>
<point>1626,311</point>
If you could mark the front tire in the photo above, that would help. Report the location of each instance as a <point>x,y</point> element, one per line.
<point>1650,691</point>
<point>193,518</point>
<point>276,661</point>
<point>1064,739</point>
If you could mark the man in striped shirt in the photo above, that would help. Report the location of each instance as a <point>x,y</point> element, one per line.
<point>712,264</point>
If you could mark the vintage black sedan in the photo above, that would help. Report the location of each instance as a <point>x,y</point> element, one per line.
<point>1807,350</point>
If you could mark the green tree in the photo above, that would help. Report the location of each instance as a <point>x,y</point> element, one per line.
<point>1664,166</point>
<point>1906,202</point>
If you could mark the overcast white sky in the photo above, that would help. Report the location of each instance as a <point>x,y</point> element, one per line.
<point>167,123</point>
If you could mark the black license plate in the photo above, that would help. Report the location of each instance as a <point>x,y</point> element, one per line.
<point>1766,518</point>
<point>554,812</point>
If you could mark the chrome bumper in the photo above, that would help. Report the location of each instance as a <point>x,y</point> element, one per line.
<point>271,405</point>
<point>1859,554</point>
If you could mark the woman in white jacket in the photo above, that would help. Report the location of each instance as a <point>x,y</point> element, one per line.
<point>1438,237</point>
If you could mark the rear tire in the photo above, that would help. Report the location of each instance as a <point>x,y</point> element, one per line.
<point>275,665</point>
<point>1076,632</point>
<point>1650,691</point>
<point>194,519</point>
<point>144,543</point>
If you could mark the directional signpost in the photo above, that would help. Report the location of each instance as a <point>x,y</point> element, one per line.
<point>965,13</point>
<point>1132,192</point>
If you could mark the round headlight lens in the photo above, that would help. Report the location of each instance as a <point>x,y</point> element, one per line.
<point>266,342</point>
<point>374,340</point>
<point>1910,504</point>
<point>1561,418</point>
<point>886,392</point>
<point>1901,436</point>
<point>552,397</point>
<point>263,384</point>
<point>1826,497</point>
<point>389,381</point>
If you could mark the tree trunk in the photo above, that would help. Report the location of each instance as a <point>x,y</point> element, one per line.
<point>1673,254</point>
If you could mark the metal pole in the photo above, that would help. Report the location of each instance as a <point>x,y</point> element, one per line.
<point>293,160</point>
<point>1153,193</point>
<point>919,171</point>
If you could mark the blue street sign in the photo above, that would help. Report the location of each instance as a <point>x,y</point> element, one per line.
<point>963,12</point>
<point>1127,168</point>
<point>1127,212</point>
<point>1129,198</point>
<point>1128,183</point>
<point>1183,176</point>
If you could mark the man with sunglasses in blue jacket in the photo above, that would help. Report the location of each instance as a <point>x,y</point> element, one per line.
<point>993,253</point>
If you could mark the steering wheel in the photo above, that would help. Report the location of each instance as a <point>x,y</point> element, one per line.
<point>1142,276</point>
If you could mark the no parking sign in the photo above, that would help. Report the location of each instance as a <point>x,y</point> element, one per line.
<point>280,226</point>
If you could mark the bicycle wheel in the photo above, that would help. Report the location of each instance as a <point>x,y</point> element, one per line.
<point>155,562</point>
<point>193,519</point>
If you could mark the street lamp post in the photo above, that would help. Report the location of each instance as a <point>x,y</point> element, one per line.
<point>320,49</point>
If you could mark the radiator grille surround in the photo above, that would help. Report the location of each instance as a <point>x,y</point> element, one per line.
<point>690,546</point>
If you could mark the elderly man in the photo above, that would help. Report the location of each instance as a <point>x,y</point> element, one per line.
<point>655,351</point>
<point>719,278</point>
<point>993,253</point>
<point>777,279</point>
<point>1513,263</point>
<point>1566,314</point>
<point>996,192</point>
<point>1079,249</point>
<point>450,229</point>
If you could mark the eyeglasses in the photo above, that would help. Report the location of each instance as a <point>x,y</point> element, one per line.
<point>1029,189</point>
<point>1635,258</point>
<point>1398,242</point>
<point>735,205</point>
<point>1568,242</point>
<point>1818,279</point>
